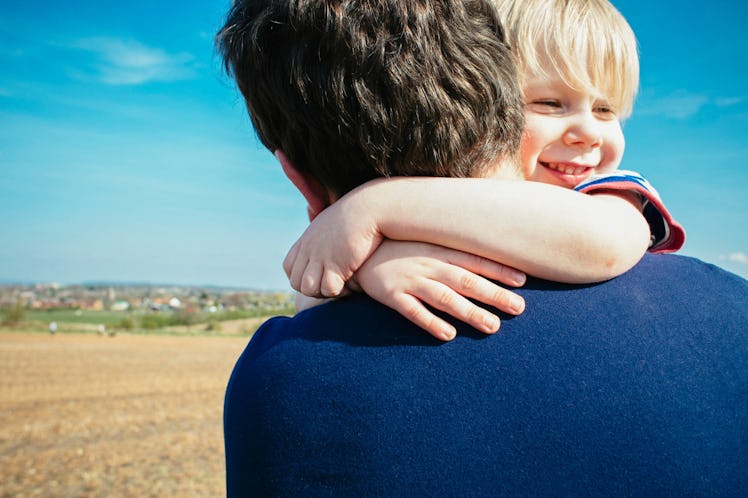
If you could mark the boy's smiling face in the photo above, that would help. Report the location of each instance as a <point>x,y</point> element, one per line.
<point>570,134</point>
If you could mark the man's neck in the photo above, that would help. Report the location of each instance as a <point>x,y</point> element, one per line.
<point>503,169</point>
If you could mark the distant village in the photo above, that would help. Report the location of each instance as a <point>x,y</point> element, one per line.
<point>141,297</point>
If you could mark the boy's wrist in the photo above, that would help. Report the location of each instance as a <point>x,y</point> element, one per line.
<point>368,206</point>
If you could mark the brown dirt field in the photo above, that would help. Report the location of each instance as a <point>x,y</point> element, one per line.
<point>92,416</point>
<point>245,326</point>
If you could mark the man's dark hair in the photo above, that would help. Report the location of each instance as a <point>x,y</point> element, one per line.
<point>352,90</point>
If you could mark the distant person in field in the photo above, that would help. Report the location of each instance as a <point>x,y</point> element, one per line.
<point>634,386</point>
<point>579,70</point>
<point>52,327</point>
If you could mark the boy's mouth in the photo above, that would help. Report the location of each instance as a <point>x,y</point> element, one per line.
<point>567,168</point>
<point>567,175</point>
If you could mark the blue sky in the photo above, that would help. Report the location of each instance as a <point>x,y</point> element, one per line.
<point>127,155</point>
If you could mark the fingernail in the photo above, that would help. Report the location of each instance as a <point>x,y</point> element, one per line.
<point>448,333</point>
<point>519,278</point>
<point>491,323</point>
<point>517,304</point>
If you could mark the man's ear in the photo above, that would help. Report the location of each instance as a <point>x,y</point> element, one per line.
<point>317,196</point>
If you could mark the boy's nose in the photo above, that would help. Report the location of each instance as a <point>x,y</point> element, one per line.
<point>584,131</point>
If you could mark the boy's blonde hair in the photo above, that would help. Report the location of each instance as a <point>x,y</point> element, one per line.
<point>586,42</point>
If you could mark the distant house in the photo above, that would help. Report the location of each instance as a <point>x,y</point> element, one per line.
<point>120,306</point>
<point>91,304</point>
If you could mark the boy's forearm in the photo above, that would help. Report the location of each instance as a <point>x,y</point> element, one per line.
<point>546,231</point>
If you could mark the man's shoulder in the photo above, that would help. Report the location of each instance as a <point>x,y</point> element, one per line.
<point>329,329</point>
<point>677,271</point>
<point>665,279</point>
<point>661,290</point>
<point>666,261</point>
<point>656,272</point>
<point>677,295</point>
<point>355,320</point>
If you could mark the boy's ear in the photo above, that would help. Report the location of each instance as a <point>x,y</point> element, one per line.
<point>317,196</point>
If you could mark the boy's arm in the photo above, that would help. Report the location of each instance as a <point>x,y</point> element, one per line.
<point>546,231</point>
<point>543,230</point>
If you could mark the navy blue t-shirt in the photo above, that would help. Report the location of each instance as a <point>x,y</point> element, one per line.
<point>636,386</point>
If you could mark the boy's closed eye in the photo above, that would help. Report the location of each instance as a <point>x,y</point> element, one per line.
<point>605,110</point>
<point>544,105</point>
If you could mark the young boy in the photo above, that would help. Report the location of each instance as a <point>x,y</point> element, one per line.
<point>578,68</point>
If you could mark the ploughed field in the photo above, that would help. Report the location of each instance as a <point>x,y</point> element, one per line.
<point>101,416</point>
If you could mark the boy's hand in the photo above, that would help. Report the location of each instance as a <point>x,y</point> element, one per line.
<point>407,275</point>
<point>332,248</point>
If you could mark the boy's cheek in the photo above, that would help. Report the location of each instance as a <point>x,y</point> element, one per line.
<point>529,154</point>
<point>613,150</point>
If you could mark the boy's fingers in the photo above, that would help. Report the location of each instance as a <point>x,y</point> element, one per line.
<point>466,283</point>
<point>294,278</point>
<point>412,309</point>
<point>505,274</point>
<point>332,283</point>
<point>310,281</point>
<point>290,259</point>
<point>488,268</point>
<point>494,295</point>
<point>445,298</point>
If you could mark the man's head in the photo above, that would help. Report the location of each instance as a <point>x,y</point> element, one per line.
<point>352,90</point>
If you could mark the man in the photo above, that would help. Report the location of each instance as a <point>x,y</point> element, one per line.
<point>624,387</point>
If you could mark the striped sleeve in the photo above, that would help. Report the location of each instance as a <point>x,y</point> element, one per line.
<point>667,235</point>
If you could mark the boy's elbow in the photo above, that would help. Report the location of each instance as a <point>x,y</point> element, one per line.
<point>614,250</point>
<point>625,248</point>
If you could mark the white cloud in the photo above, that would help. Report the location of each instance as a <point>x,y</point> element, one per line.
<point>728,101</point>
<point>128,62</point>
<point>736,257</point>
<point>680,105</point>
